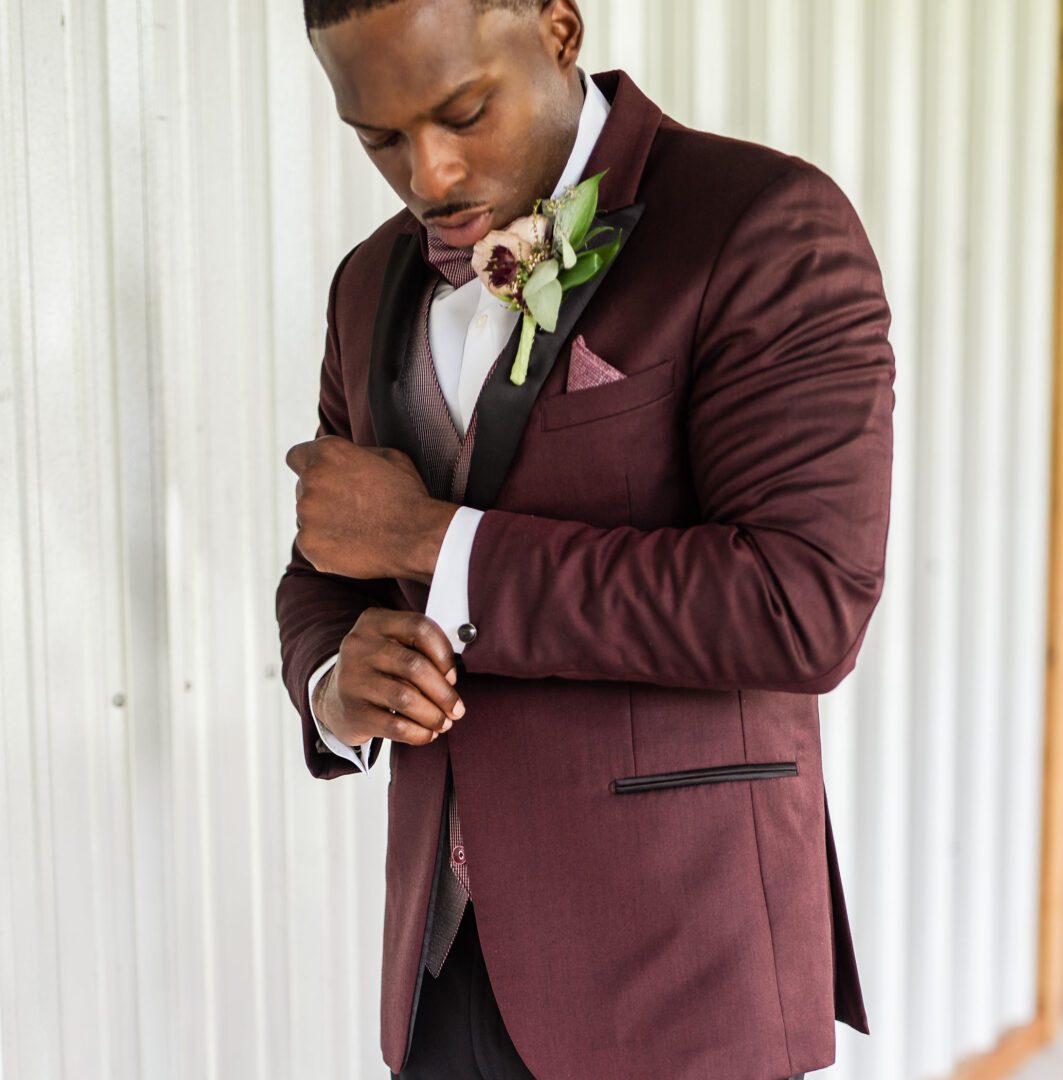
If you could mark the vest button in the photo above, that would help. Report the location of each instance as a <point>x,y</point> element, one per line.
<point>458,854</point>
<point>467,632</point>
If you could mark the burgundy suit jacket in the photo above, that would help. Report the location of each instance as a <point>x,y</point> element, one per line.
<point>670,569</point>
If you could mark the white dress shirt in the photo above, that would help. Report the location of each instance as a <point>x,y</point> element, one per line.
<point>467,329</point>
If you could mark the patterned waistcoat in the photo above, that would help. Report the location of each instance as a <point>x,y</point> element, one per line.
<point>447,455</point>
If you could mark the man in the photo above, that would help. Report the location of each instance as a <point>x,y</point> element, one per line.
<point>592,612</point>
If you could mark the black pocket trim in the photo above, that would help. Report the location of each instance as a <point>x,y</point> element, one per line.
<point>760,770</point>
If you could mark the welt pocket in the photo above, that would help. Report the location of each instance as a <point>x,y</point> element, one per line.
<point>609,399</point>
<point>713,774</point>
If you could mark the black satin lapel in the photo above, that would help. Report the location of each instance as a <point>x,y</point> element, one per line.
<point>502,410</point>
<point>405,277</point>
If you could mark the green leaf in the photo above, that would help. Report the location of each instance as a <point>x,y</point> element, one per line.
<point>568,252</point>
<point>577,214</point>
<point>607,252</point>
<point>589,263</point>
<point>544,304</point>
<point>595,231</point>
<point>544,272</point>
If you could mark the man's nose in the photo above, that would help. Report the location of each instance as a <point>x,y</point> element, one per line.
<point>435,170</point>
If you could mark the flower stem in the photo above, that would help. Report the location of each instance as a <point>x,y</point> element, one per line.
<point>519,370</point>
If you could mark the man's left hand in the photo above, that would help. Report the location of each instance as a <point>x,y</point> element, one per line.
<point>364,512</point>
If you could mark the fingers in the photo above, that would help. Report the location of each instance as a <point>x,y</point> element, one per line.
<point>395,726</point>
<point>417,631</point>
<point>417,688</point>
<point>303,454</point>
<point>377,708</point>
<point>397,458</point>
<point>298,456</point>
<point>394,677</point>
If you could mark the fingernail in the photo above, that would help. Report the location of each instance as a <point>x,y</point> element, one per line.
<point>452,676</point>
<point>459,709</point>
<point>435,735</point>
<point>447,724</point>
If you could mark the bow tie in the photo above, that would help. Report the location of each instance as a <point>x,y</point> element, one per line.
<point>455,264</point>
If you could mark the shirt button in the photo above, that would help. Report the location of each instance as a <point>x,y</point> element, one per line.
<point>466,632</point>
<point>458,854</point>
<point>481,319</point>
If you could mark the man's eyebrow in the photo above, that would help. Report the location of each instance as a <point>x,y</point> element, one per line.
<point>457,92</point>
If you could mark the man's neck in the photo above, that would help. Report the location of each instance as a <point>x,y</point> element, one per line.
<point>571,141</point>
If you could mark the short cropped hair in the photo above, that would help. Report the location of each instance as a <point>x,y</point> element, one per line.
<point>319,14</point>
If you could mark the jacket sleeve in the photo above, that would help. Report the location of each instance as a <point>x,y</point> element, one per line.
<point>790,440</point>
<point>316,610</point>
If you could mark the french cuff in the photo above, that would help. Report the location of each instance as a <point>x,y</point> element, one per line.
<point>448,596</point>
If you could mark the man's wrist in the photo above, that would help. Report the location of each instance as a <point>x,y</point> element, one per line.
<point>319,691</point>
<point>431,524</point>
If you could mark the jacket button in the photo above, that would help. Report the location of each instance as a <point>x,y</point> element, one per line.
<point>467,632</point>
<point>458,854</point>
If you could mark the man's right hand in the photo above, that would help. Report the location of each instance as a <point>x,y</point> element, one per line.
<point>390,660</point>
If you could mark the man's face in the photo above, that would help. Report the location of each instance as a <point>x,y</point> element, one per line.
<point>462,113</point>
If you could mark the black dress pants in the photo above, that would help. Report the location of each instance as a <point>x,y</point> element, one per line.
<point>458,1032</point>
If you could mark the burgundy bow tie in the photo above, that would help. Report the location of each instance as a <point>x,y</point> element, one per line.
<point>455,264</point>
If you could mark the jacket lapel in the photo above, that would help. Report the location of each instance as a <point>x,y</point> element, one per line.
<point>405,277</point>
<point>502,408</point>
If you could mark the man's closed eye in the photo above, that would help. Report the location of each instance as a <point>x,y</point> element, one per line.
<point>456,125</point>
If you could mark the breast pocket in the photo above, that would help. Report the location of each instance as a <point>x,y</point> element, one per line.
<point>610,399</point>
<point>714,774</point>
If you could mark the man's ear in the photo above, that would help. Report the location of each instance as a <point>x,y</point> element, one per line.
<point>562,28</point>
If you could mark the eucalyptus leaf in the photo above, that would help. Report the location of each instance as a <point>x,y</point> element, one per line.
<point>544,304</point>
<point>568,252</point>
<point>544,272</point>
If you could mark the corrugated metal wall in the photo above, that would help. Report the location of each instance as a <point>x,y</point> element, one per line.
<point>178,898</point>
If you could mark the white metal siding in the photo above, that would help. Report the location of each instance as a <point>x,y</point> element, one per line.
<point>178,897</point>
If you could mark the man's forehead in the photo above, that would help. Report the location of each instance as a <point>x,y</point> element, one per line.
<point>443,98</point>
<point>379,77</point>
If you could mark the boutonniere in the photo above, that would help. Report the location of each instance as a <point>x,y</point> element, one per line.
<point>536,259</point>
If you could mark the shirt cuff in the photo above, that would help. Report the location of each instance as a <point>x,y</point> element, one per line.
<point>448,596</point>
<point>351,753</point>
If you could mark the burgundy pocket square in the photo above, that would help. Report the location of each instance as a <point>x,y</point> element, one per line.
<point>586,368</point>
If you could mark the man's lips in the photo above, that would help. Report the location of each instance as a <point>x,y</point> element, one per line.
<point>463,230</point>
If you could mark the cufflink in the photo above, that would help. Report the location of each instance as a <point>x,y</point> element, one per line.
<point>467,632</point>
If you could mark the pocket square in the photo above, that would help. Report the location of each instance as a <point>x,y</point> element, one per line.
<point>586,368</point>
